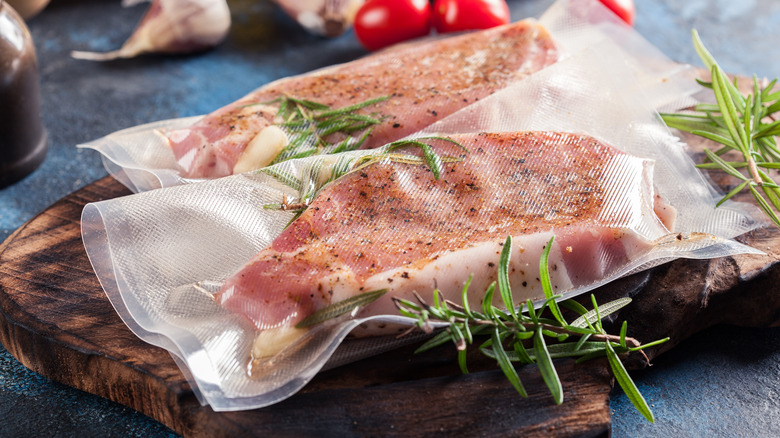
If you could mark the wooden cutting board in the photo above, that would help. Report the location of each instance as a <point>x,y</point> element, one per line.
<point>56,320</point>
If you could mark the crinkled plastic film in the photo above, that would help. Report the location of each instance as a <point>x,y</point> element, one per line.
<point>165,256</point>
<point>142,157</point>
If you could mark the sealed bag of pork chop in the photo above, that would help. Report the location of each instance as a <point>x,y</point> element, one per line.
<point>375,100</point>
<point>221,273</point>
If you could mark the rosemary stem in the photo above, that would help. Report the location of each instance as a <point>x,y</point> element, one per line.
<point>531,325</point>
<point>754,171</point>
<point>286,205</point>
<point>555,329</point>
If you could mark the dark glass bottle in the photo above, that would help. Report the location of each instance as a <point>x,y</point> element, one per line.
<point>23,142</point>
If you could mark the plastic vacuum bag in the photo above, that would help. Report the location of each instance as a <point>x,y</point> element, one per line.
<point>142,157</point>
<point>171,260</point>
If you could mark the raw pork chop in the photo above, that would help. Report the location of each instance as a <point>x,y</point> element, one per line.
<point>392,225</point>
<point>423,82</point>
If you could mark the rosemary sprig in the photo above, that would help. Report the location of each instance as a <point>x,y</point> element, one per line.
<point>329,168</point>
<point>741,123</point>
<point>310,123</point>
<point>430,157</point>
<point>341,308</point>
<point>510,331</point>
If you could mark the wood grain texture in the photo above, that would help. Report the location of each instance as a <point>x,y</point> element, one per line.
<point>56,320</point>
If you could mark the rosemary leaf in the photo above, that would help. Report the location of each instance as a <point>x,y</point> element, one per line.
<point>340,308</point>
<point>556,351</point>
<point>465,297</point>
<point>529,307</point>
<point>770,189</point>
<point>437,302</point>
<point>521,354</point>
<point>487,302</point>
<point>544,276</point>
<point>649,344</point>
<point>574,307</point>
<point>685,122</point>
<point>457,337</point>
<point>524,335</point>
<point>546,367</point>
<point>353,108</point>
<point>433,160</point>
<point>734,164</point>
<point>724,165</point>
<point>283,177</point>
<point>407,307</point>
<point>747,122</point>
<point>440,339</point>
<point>468,335</point>
<point>704,54</point>
<point>303,154</point>
<point>351,144</point>
<point>733,192</point>
<point>758,103</point>
<point>716,137</point>
<point>627,384</point>
<point>462,361</point>
<point>769,130</point>
<point>730,115</point>
<point>764,205</point>
<point>503,277</point>
<point>574,349</point>
<point>773,108</point>
<point>599,312</point>
<point>578,346</point>
<point>768,146</point>
<point>623,330</point>
<point>505,364</point>
<point>580,330</point>
<point>597,321</point>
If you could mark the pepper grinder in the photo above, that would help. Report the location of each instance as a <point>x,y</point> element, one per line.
<point>23,141</point>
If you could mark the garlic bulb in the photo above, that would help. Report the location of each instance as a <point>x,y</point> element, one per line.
<point>28,8</point>
<point>172,26</point>
<point>322,17</point>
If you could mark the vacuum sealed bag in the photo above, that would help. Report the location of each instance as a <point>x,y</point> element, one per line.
<point>223,272</point>
<point>375,100</point>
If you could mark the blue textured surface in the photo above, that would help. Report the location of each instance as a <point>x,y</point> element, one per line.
<point>723,382</point>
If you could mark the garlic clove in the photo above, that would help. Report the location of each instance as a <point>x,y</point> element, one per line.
<point>270,342</point>
<point>172,26</point>
<point>328,18</point>
<point>261,150</point>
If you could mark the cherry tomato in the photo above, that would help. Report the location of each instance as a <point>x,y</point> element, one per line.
<point>380,23</point>
<point>622,8</point>
<point>458,15</point>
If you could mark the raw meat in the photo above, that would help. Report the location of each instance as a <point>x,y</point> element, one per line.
<point>392,225</point>
<point>423,82</point>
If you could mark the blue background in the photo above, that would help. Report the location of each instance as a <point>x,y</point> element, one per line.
<point>722,382</point>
